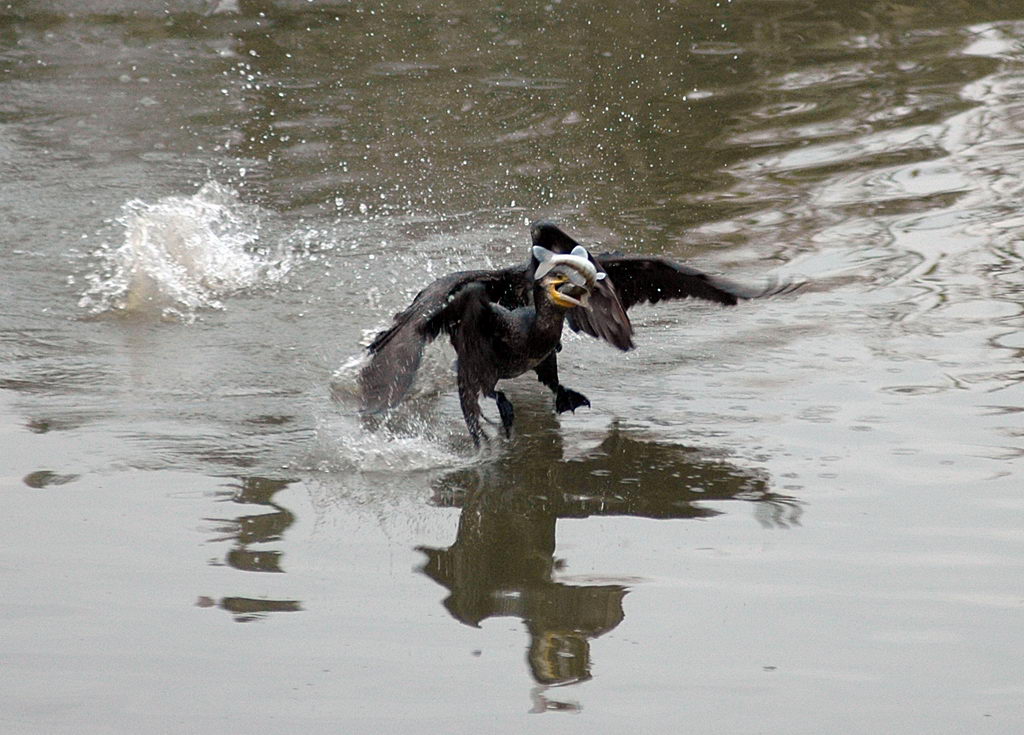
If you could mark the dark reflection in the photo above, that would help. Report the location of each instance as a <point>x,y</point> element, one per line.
<point>246,609</point>
<point>46,478</point>
<point>247,530</point>
<point>39,425</point>
<point>502,562</point>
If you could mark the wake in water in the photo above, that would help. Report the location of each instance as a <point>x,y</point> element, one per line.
<point>183,254</point>
<point>346,444</point>
<point>413,439</point>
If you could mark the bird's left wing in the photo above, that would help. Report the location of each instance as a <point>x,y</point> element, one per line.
<point>635,279</point>
<point>647,278</point>
<point>395,353</point>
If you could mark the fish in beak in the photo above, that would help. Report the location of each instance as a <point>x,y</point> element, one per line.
<point>569,279</point>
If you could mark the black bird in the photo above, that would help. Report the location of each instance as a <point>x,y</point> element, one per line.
<point>505,322</point>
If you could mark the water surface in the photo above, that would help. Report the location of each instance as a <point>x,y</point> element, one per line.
<point>796,515</point>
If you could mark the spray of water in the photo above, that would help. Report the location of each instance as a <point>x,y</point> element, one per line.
<point>411,438</point>
<point>183,254</point>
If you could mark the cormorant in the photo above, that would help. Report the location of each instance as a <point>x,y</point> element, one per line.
<point>505,322</point>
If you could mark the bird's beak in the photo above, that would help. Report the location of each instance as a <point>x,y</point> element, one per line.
<point>566,294</point>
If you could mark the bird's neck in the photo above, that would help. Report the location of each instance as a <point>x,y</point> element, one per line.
<point>549,316</point>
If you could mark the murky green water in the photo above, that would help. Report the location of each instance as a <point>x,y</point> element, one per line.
<point>800,515</point>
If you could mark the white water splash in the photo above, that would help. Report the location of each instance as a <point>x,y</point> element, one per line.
<point>183,254</point>
<point>346,444</point>
<point>415,437</point>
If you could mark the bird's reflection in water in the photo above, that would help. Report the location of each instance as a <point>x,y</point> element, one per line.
<point>502,562</point>
<point>245,531</point>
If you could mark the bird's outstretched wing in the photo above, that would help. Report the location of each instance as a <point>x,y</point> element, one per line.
<point>635,279</point>
<point>396,352</point>
<point>647,278</point>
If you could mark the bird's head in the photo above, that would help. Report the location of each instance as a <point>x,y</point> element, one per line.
<point>567,280</point>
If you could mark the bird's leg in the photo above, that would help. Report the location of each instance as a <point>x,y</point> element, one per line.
<point>469,400</point>
<point>506,411</point>
<point>565,398</point>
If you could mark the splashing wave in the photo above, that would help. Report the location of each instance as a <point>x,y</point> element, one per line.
<point>183,254</point>
<point>411,439</point>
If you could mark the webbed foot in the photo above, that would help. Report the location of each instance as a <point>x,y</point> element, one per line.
<point>569,400</point>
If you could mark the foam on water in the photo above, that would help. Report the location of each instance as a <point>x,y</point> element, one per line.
<point>182,254</point>
<point>413,443</point>
<point>411,437</point>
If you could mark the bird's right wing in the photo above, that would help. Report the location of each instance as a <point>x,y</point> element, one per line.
<point>395,353</point>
